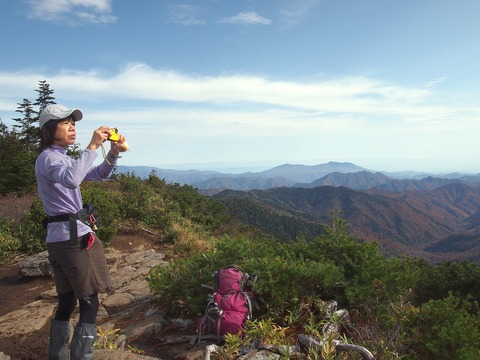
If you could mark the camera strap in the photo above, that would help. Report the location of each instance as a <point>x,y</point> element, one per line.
<point>105,155</point>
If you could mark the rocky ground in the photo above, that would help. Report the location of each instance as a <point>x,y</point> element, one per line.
<point>27,305</point>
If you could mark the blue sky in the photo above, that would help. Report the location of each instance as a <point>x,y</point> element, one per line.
<point>229,85</point>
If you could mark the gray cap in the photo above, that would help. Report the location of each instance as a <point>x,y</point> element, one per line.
<point>58,112</point>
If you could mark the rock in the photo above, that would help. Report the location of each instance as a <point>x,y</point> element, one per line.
<point>4,357</point>
<point>35,265</point>
<point>118,355</point>
<point>28,319</point>
<point>182,323</point>
<point>49,294</point>
<point>118,300</point>
<point>120,342</point>
<point>260,355</point>
<point>149,320</point>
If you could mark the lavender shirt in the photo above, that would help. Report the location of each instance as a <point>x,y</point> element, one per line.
<point>59,178</point>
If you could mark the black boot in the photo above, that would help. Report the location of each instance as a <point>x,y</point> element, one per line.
<point>58,342</point>
<point>82,341</point>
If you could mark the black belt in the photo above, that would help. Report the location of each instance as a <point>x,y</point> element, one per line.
<point>87,216</point>
<point>71,218</point>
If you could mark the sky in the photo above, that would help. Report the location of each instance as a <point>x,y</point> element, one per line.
<point>232,85</point>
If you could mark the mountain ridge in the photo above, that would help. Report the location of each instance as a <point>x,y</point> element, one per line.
<point>331,173</point>
<point>418,223</point>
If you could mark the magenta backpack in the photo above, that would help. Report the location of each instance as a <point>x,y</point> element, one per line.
<point>229,306</point>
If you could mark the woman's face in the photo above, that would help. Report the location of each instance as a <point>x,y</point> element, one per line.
<point>65,134</point>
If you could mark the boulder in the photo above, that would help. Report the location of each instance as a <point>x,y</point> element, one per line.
<point>35,265</point>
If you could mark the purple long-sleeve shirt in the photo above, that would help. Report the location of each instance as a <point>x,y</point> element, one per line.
<point>59,178</point>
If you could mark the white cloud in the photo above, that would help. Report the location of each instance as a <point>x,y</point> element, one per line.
<point>139,82</point>
<point>72,11</point>
<point>186,15</point>
<point>246,17</point>
<point>193,118</point>
<point>294,11</point>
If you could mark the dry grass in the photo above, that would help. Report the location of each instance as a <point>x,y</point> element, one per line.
<point>190,238</point>
<point>13,207</point>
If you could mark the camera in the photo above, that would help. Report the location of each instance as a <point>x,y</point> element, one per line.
<point>114,135</point>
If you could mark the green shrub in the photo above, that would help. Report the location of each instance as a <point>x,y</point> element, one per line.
<point>144,201</point>
<point>282,277</point>
<point>30,231</point>
<point>207,212</point>
<point>106,205</point>
<point>446,329</point>
<point>9,244</point>
<point>436,281</point>
<point>133,196</point>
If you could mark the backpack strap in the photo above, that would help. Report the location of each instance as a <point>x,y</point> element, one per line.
<point>249,303</point>
<point>218,324</point>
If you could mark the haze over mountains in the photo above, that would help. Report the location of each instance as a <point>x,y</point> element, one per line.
<point>306,176</point>
<point>435,217</point>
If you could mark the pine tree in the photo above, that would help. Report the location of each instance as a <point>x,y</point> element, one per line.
<point>45,95</point>
<point>3,129</point>
<point>16,163</point>
<point>18,148</point>
<point>27,125</point>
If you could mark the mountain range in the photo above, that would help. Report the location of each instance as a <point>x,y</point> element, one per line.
<point>304,176</point>
<point>433,217</point>
<point>436,225</point>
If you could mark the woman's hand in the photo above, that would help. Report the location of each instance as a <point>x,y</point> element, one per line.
<point>99,137</point>
<point>119,146</point>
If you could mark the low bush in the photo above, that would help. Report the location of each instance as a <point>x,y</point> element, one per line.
<point>31,232</point>
<point>287,273</point>
<point>9,243</point>
<point>447,328</point>
<point>107,207</point>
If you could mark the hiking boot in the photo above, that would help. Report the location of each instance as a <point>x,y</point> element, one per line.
<point>82,342</point>
<point>58,342</point>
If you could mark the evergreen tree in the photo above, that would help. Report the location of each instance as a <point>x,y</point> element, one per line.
<point>45,95</point>
<point>16,163</point>
<point>18,148</point>
<point>3,129</point>
<point>27,125</point>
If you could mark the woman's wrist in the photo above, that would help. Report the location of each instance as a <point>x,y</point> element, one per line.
<point>113,154</point>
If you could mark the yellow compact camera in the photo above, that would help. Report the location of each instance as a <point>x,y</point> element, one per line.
<point>114,136</point>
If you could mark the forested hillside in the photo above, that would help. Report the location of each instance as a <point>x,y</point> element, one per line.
<point>411,221</point>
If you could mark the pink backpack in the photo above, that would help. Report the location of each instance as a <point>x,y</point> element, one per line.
<point>229,306</point>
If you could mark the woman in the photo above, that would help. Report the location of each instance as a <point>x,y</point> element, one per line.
<point>75,252</point>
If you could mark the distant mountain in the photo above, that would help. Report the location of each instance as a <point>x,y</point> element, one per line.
<point>308,173</point>
<point>307,176</point>
<point>171,176</point>
<point>414,222</point>
<point>284,175</point>
<point>427,183</point>
<point>357,181</point>
<point>242,183</point>
<point>457,247</point>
